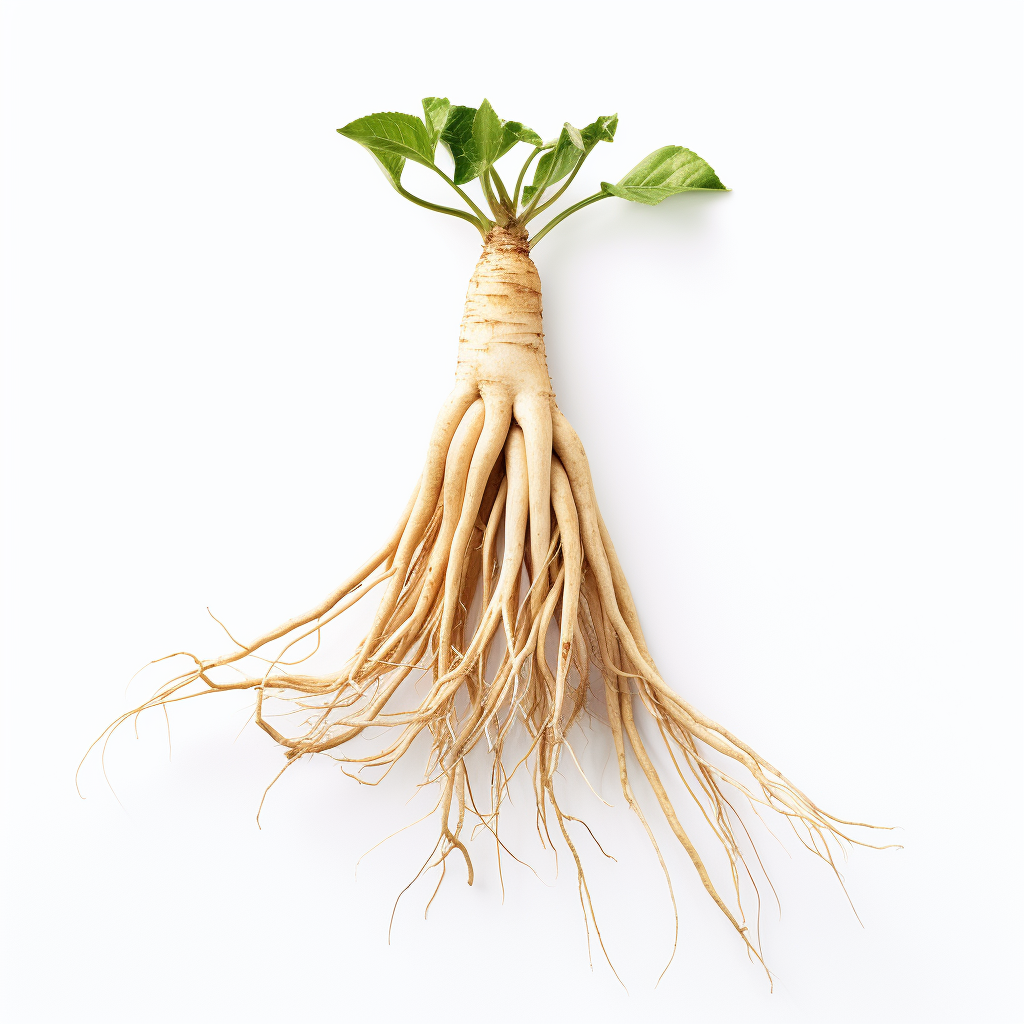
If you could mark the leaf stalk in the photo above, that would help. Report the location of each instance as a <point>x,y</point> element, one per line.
<point>565,213</point>
<point>522,175</point>
<point>469,202</point>
<point>451,211</point>
<point>558,194</point>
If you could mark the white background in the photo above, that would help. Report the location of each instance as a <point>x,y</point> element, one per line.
<point>225,341</point>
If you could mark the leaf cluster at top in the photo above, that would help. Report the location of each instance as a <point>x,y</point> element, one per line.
<point>476,138</point>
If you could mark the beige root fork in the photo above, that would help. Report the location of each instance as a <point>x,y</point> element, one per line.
<point>503,462</point>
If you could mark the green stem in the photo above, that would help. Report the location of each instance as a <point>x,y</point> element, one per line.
<point>485,185</point>
<point>502,193</point>
<point>565,213</point>
<point>461,214</point>
<point>469,202</point>
<point>558,194</point>
<point>522,175</point>
<point>528,211</point>
<point>531,209</point>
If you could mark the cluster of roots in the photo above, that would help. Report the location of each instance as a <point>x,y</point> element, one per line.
<point>505,511</point>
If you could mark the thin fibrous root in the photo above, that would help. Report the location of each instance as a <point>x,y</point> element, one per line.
<point>505,472</point>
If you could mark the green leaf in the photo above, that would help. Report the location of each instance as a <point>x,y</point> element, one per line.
<point>516,131</point>
<point>487,134</point>
<point>557,162</point>
<point>663,173</point>
<point>390,164</point>
<point>602,130</point>
<point>401,134</point>
<point>435,113</point>
<point>457,135</point>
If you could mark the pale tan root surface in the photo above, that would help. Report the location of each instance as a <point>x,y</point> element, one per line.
<point>505,471</point>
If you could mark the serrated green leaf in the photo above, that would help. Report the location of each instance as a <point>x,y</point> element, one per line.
<point>487,134</point>
<point>401,134</point>
<point>457,135</point>
<point>663,173</point>
<point>602,130</point>
<point>557,162</point>
<point>435,113</point>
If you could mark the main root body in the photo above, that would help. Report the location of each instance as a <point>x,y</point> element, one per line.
<point>505,472</point>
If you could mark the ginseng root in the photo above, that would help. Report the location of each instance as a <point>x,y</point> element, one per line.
<point>505,471</point>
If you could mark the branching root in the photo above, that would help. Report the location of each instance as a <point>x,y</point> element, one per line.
<point>505,511</point>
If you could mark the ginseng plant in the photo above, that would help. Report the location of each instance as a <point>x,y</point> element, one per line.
<point>505,510</point>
